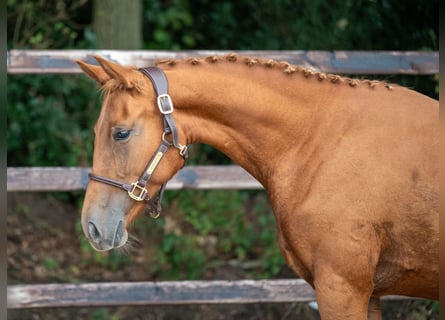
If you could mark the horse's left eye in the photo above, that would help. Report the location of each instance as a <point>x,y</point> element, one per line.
<point>121,135</point>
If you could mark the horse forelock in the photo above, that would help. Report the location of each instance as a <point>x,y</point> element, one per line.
<point>134,82</point>
<point>285,67</point>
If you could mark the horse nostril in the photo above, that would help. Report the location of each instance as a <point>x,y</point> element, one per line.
<point>94,232</point>
<point>119,234</point>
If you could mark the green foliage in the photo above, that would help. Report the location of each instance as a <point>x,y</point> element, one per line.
<point>103,314</point>
<point>50,129</point>
<point>219,213</point>
<point>205,229</point>
<point>305,25</point>
<point>426,309</point>
<point>49,118</point>
<point>47,24</point>
<point>179,257</point>
<point>50,263</point>
<point>171,24</point>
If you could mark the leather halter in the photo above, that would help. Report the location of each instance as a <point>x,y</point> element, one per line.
<point>137,190</point>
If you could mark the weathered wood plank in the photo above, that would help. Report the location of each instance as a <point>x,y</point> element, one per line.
<point>160,293</point>
<point>75,178</point>
<point>46,179</point>
<point>157,293</point>
<point>338,62</point>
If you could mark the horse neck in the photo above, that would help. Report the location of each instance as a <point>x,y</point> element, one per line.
<point>259,117</point>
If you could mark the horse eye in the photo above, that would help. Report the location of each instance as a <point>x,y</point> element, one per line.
<point>121,135</point>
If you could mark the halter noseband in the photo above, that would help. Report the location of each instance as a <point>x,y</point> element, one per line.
<point>137,190</point>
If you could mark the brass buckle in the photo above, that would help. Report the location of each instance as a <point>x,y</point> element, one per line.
<point>142,192</point>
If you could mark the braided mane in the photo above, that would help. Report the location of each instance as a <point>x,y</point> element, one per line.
<point>286,67</point>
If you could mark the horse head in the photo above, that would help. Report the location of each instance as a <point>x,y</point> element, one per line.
<point>135,151</point>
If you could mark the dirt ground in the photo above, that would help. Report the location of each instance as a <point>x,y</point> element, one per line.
<point>43,246</point>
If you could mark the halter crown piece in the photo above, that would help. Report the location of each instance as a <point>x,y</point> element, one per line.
<point>137,190</point>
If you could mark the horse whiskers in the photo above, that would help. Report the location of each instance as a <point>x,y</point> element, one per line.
<point>132,244</point>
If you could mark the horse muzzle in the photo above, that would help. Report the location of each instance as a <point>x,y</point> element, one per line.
<point>105,236</point>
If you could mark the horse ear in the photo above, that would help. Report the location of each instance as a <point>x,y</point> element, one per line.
<point>116,71</point>
<point>95,72</point>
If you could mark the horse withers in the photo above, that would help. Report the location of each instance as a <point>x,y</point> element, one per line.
<point>350,166</point>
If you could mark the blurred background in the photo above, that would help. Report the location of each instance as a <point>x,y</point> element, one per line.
<point>201,234</point>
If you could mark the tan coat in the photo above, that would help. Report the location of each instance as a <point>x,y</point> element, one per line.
<point>351,167</point>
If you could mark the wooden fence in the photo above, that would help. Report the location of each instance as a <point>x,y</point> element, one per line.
<point>191,177</point>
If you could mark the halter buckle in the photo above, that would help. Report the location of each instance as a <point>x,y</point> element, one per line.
<point>142,192</point>
<point>165,104</point>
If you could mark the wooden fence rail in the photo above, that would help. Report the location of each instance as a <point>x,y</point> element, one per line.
<point>191,177</point>
<point>339,62</point>
<point>75,178</point>
<point>162,293</point>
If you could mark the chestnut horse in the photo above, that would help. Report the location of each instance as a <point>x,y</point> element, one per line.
<point>350,166</point>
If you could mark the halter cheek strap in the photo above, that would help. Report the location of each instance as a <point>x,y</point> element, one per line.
<point>137,190</point>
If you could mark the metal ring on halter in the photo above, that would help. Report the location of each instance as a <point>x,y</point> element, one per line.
<point>154,214</point>
<point>182,149</point>
<point>163,137</point>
